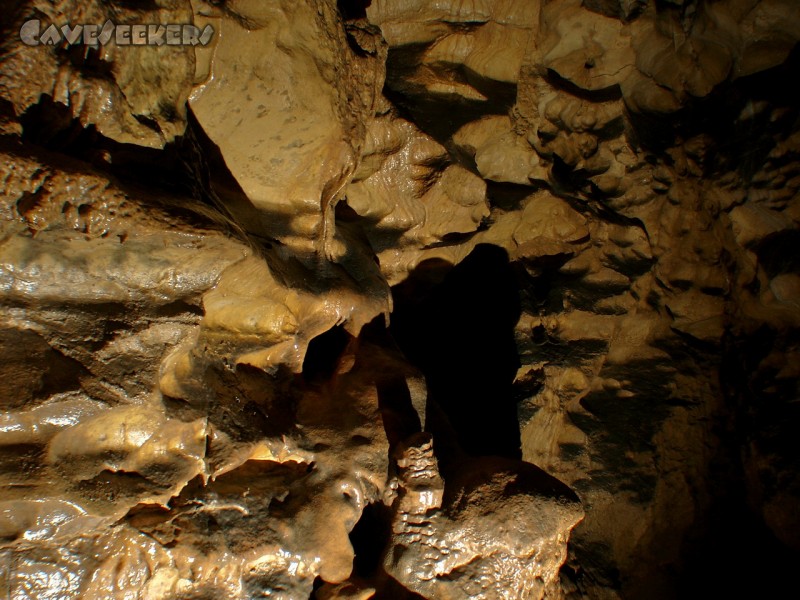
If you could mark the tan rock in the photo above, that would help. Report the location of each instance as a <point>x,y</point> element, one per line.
<point>503,12</point>
<point>135,439</point>
<point>588,50</point>
<point>279,67</point>
<point>753,223</point>
<point>698,314</point>
<point>202,397</point>
<point>549,220</point>
<point>140,99</point>
<point>448,553</point>
<point>500,154</point>
<point>493,52</point>
<point>415,191</point>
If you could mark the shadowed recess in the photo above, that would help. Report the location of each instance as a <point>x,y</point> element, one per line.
<point>323,354</point>
<point>369,538</point>
<point>460,333</point>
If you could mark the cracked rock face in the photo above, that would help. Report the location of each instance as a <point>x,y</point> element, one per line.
<point>401,299</point>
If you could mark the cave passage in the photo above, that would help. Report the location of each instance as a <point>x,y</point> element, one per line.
<point>323,354</point>
<point>460,332</point>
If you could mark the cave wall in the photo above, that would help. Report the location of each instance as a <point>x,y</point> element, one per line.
<point>401,298</point>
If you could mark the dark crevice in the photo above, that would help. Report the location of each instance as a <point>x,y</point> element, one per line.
<point>756,425</point>
<point>88,60</point>
<point>50,124</point>
<point>323,354</point>
<point>248,402</point>
<point>32,370</point>
<point>181,171</point>
<point>544,285</point>
<point>353,9</point>
<point>609,93</point>
<point>508,196</point>
<point>28,459</point>
<point>732,539</point>
<point>179,308</point>
<point>460,333</point>
<point>391,589</point>
<point>777,254</point>
<point>400,420</point>
<point>740,144</point>
<point>369,538</point>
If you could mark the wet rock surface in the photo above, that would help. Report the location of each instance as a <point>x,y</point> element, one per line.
<point>401,299</point>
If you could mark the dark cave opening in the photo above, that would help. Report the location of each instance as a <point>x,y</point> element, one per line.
<point>734,555</point>
<point>183,168</point>
<point>353,9</point>
<point>369,538</point>
<point>733,536</point>
<point>460,333</point>
<point>323,354</point>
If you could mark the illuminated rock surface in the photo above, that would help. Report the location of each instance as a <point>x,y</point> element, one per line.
<point>401,299</point>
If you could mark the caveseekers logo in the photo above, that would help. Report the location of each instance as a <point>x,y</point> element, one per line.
<point>32,33</point>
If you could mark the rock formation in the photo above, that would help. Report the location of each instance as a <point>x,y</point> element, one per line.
<point>400,299</point>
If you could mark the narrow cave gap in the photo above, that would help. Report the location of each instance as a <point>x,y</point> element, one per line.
<point>323,353</point>
<point>544,285</point>
<point>459,331</point>
<point>50,124</point>
<point>369,538</point>
<point>733,540</point>
<point>400,420</point>
<point>437,116</point>
<point>730,535</point>
<point>507,196</point>
<point>318,583</point>
<point>777,255</point>
<point>182,167</point>
<point>612,92</point>
<point>353,9</point>
<point>203,157</point>
<point>392,589</point>
<point>48,370</point>
<point>566,179</point>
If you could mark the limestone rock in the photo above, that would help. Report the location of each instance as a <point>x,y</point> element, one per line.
<point>500,154</point>
<point>492,299</point>
<point>405,22</point>
<point>130,94</point>
<point>292,139</point>
<point>549,225</point>
<point>500,533</point>
<point>478,51</point>
<point>589,51</point>
<point>408,188</point>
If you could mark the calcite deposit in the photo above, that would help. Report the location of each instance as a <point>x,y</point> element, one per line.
<point>443,299</point>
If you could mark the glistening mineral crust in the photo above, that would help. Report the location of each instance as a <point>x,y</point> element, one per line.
<point>491,299</point>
